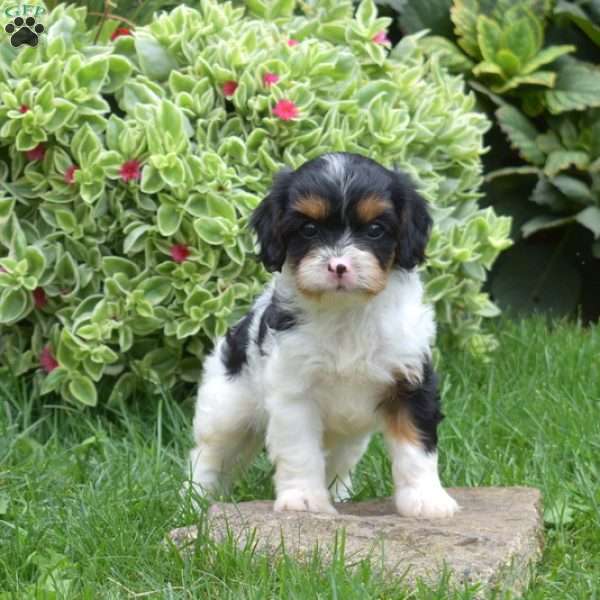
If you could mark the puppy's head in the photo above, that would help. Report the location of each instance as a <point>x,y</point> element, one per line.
<point>342,223</point>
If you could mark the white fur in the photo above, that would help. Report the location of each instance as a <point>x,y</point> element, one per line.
<point>313,394</point>
<point>337,170</point>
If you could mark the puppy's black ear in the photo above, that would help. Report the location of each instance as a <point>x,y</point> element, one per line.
<point>266,221</point>
<point>415,222</point>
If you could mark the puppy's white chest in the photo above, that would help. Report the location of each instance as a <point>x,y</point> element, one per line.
<point>348,405</point>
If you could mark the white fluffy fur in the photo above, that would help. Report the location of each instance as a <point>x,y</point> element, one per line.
<point>314,394</point>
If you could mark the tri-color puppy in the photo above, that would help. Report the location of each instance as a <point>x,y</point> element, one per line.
<point>336,348</point>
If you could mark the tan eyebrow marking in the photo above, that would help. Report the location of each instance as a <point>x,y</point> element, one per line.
<point>371,207</point>
<point>314,207</point>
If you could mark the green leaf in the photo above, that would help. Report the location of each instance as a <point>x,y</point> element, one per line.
<point>6,208</point>
<point>366,13</point>
<point>66,220</point>
<point>577,87</point>
<point>85,146</point>
<point>152,182</point>
<point>544,78</point>
<point>573,188</point>
<point>68,353</point>
<point>119,71</point>
<point>546,56</point>
<point>36,262</point>
<point>212,230</point>
<point>489,37</point>
<point>156,289</point>
<point>125,338</point>
<point>168,219</point>
<point>116,264</point>
<point>132,242</point>
<point>520,38</point>
<point>576,14</point>
<point>544,222</point>
<point>439,286</point>
<point>560,160</point>
<point>508,61</point>
<point>156,62</point>
<point>187,328</point>
<point>464,15</point>
<point>488,68</point>
<point>450,55</point>
<point>590,217</point>
<point>122,389</point>
<point>521,133</point>
<point>53,380</point>
<point>14,304</point>
<point>63,110</point>
<point>93,75</point>
<point>171,123</point>
<point>83,389</point>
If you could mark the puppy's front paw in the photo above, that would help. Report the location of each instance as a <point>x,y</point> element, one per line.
<point>428,502</point>
<point>303,500</point>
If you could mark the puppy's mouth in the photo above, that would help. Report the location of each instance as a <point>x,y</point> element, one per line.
<point>353,271</point>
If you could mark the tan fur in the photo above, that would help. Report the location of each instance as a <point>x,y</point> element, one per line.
<point>397,414</point>
<point>402,428</point>
<point>313,207</point>
<point>371,207</point>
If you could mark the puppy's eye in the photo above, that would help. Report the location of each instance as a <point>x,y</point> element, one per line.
<point>309,230</point>
<point>375,230</point>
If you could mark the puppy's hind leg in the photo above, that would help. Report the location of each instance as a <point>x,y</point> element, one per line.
<point>226,434</point>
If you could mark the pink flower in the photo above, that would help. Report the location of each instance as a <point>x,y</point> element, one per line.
<point>3,270</point>
<point>47,360</point>
<point>292,42</point>
<point>229,88</point>
<point>381,38</point>
<point>131,170</point>
<point>179,253</point>
<point>23,108</point>
<point>39,297</point>
<point>270,79</point>
<point>119,31</point>
<point>36,153</point>
<point>69,175</point>
<point>286,110</point>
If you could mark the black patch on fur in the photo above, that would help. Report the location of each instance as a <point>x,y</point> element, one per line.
<point>235,349</point>
<point>423,404</point>
<point>266,222</point>
<point>275,318</point>
<point>415,222</point>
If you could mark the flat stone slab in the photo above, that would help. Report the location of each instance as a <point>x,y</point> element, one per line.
<point>494,540</point>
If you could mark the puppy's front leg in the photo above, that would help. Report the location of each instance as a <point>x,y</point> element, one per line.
<point>412,416</point>
<point>294,442</point>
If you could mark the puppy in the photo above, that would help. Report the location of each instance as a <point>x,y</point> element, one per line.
<point>336,348</point>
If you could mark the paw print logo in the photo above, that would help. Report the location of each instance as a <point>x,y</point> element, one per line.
<point>24,31</point>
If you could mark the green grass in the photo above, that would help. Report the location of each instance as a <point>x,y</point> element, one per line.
<point>86,497</point>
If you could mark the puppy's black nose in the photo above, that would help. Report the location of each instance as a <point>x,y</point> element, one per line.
<point>340,269</point>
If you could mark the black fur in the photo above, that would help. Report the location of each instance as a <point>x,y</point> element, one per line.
<point>275,318</point>
<point>266,221</point>
<point>422,403</point>
<point>415,223</point>
<point>235,348</point>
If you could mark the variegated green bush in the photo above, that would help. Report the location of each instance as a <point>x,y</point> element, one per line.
<point>130,167</point>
